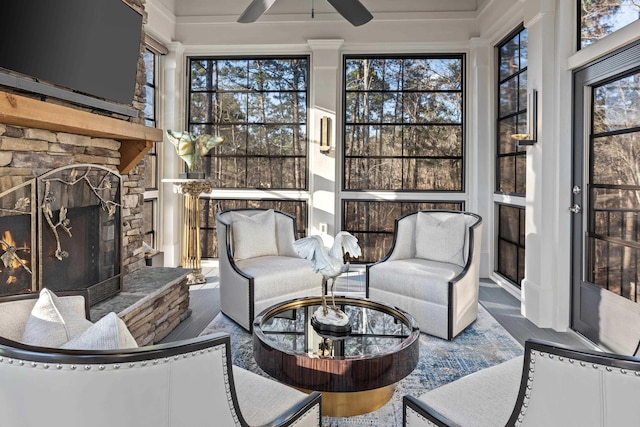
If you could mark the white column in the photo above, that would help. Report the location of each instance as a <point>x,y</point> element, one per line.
<point>545,288</point>
<point>480,143</point>
<point>325,96</point>
<point>173,119</point>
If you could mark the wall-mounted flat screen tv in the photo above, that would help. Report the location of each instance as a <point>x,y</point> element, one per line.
<point>87,46</point>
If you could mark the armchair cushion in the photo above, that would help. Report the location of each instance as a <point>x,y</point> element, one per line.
<point>446,238</point>
<point>261,399</point>
<point>482,399</point>
<point>254,236</point>
<point>108,333</point>
<point>53,321</point>
<point>422,279</point>
<point>268,272</point>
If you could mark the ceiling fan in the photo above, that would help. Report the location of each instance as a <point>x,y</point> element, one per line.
<point>352,10</point>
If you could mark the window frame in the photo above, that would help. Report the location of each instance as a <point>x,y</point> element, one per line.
<point>152,194</point>
<point>462,124</point>
<point>501,198</point>
<point>307,139</point>
<point>521,151</point>
<point>579,45</point>
<point>520,245</point>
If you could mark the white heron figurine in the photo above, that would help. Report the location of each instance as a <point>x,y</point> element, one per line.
<point>329,263</point>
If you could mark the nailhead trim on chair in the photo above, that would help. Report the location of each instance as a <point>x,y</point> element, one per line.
<point>527,395</point>
<point>114,366</point>
<point>142,364</point>
<point>426,421</point>
<point>227,386</point>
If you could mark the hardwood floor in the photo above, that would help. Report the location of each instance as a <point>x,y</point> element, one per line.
<point>504,307</point>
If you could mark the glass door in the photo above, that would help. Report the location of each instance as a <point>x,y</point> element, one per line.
<point>606,203</point>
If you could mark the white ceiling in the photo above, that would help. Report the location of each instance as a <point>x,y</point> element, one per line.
<point>286,7</point>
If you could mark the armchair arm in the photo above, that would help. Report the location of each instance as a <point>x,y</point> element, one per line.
<point>236,287</point>
<point>402,247</point>
<point>463,289</point>
<point>307,413</point>
<point>416,413</point>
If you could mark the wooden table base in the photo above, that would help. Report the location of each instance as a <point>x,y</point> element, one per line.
<point>349,404</point>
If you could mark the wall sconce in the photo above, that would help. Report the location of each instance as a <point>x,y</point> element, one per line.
<point>531,137</point>
<point>325,134</point>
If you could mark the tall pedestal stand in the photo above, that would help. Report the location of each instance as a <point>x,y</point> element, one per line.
<point>191,190</point>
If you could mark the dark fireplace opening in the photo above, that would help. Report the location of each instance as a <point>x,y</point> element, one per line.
<point>89,256</point>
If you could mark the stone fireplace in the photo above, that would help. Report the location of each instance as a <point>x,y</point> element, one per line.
<point>62,231</point>
<point>40,134</point>
<point>71,207</point>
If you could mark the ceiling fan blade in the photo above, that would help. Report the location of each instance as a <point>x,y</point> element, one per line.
<point>352,10</point>
<point>255,10</point>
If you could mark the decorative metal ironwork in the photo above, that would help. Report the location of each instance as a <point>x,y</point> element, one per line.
<point>63,223</point>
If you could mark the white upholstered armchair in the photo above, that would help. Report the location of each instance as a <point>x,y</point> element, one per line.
<point>432,270</point>
<point>551,385</point>
<point>183,383</point>
<point>258,264</point>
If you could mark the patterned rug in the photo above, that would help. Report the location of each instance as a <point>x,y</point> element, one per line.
<point>483,344</point>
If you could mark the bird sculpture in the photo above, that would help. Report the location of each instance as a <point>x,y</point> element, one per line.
<point>191,149</point>
<point>329,263</point>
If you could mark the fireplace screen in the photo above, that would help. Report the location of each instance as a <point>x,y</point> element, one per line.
<point>77,233</point>
<point>17,240</point>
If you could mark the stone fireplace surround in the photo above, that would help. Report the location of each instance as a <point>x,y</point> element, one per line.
<point>38,134</point>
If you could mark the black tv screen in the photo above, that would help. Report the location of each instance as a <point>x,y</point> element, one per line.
<point>88,46</point>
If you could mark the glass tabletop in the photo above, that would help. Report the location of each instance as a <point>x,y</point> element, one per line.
<point>376,329</point>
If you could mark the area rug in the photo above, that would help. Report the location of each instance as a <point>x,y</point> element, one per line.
<point>483,344</point>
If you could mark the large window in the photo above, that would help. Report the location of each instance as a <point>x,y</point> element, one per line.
<point>599,18</point>
<point>512,113</point>
<point>511,159</point>
<point>403,133</point>
<point>404,123</point>
<point>260,106</point>
<point>150,177</point>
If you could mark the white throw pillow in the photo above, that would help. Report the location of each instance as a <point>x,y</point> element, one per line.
<point>108,333</point>
<point>254,236</point>
<point>52,323</point>
<point>441,241</point>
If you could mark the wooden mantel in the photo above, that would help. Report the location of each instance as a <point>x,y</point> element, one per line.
<point>136,140</point>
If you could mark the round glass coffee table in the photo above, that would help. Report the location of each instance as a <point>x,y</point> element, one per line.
<point>356,373</point>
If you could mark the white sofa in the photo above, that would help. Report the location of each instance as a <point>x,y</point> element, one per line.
<point>432,270</point>
<point>550,386</point>
<point>258,264</point>
<point>184,383</point>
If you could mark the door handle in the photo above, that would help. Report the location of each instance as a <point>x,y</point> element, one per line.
<point>575,208</point>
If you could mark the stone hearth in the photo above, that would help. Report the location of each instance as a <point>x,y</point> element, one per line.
<point>153,301</point>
